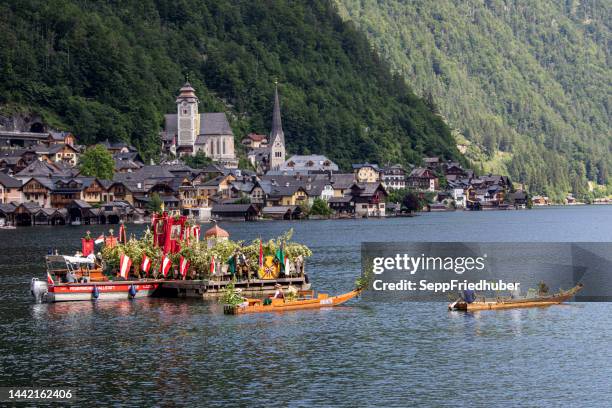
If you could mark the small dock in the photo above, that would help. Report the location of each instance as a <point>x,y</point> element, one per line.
<point>211,289</point>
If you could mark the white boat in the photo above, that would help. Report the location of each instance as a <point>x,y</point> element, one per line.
<point>4,225</point>
<point>72,278</point>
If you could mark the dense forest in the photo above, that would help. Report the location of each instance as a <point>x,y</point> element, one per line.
<point>527,83</point>
<point>111,69</point>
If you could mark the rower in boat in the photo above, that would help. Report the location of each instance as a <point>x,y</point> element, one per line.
<point>470,302</point>
<point>306,300</point>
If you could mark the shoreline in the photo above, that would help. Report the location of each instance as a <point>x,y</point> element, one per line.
<point>318,218</point>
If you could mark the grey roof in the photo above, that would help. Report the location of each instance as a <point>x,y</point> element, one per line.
<point>42,169</point>
<point>7,208</point>
<point>360,165</point>
<point>368,189</point>
<point>311,162</point>
<point>47,211</point>
<point>342,180</point>
<point>214,182</point>
<point>343,199</point>
<point>58,135</point>
<point>243,186</point>
<point>391,168</point>
<point>10,160</point>
<point>80,204</point>
<point>280,209</point>
<point>8,181</point>
<point>235,208</point>
<point>212,123</point>
<point>30,206</point>
<point>420,172</point>
<point>46,182</point>
<point>122,164</point>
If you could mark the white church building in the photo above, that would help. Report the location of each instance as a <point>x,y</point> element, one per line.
<point>187,131</point>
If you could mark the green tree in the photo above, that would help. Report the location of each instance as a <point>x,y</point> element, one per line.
<point>155,203</point>
<point>98,162</point>
<point>245,199</point>
<point>412,202</point>
<point>320,207</point>
<point>198,161</point>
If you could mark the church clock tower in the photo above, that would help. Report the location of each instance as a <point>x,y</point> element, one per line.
<point>188,125</point>
<point>277,136</point>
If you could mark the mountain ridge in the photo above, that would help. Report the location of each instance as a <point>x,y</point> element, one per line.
<point>528,79</point>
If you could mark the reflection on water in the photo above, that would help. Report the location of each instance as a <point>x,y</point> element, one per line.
<point>177,352</point>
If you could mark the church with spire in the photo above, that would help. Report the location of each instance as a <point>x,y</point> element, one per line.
<point>271,154</point>
<point>188,132</point>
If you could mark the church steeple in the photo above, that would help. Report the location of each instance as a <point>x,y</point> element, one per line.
<point>277,124</point>
<point>277,136</point>
<point>188,118</point>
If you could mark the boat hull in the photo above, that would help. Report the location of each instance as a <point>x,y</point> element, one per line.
<point>106,291</point>
<point>279,305</point>
<point>516,303</point>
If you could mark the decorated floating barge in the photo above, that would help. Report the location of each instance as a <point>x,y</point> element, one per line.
<point>170,260</point>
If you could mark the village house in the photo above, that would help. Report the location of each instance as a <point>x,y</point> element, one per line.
<point>432,163</point>
<point>369,199</point>
<point>342,183</point>
<point>127,162</point>
<point>218,186</point>
<point>10,189</point>
<point>394,177</point>
<point>287,194</point>
<point>238,212</point>
<point>58,153</point>
<point>37,190</point>
<point>540,200</point>
<point>118,190</point>
<point>342,205</point>
<point>454,169</point>
<point>255,141</point>
<point>288,212</point>
<point>367,173</point>
<point>15,160</point>
<point>421,178</point>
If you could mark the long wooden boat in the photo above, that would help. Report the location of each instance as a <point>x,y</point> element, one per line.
<point>309,301</point>
<point>510,303</point>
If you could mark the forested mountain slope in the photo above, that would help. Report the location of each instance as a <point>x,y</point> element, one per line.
<point>111,69</point>
<point>529,79</point>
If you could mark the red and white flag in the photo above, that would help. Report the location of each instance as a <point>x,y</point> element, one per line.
<point>212,266</point>
<point>125,263</point>
<point>122,236</point>
<point>184,265</point>
<point>146,264</point>
<point>260,254</point>
<point>99,240</point>
<point>165,265</point>
<point>196,232</point>
<point>50,279</point>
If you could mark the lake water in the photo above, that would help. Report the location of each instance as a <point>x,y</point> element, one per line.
<point>176,352</point>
